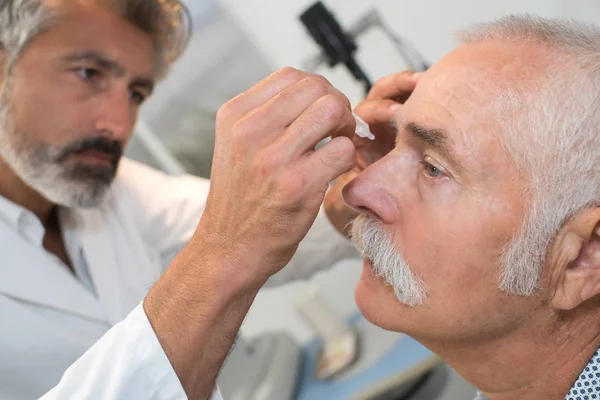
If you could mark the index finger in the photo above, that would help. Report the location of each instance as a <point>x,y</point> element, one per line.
<point>395,87</point>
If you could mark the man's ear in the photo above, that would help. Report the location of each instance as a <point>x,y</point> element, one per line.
<point>575,261</point>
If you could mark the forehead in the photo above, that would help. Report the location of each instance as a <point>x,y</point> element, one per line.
<point>84,25</point>
<point>472,94</point>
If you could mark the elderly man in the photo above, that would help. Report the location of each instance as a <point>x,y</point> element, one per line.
<point>480,228</point>
<point>84,236</point>
<point>488,190</point>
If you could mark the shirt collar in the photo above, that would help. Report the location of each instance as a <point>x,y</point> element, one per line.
<point>10,212</point>
<point>23,221</point>
<point>587,385</point>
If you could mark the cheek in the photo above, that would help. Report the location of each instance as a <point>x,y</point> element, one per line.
<point>46,110</point>
<point>455,244</point>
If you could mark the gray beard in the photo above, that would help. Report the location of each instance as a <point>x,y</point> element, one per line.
<point>388,264</point>
<point>44,169</point>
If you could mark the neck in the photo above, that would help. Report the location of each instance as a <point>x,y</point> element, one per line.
<point>14,189</point>
<point>530,364</point>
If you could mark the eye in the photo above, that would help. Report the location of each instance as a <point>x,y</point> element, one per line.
<point>137,97</point>
<point>88,74</point>
<point>431,170</point>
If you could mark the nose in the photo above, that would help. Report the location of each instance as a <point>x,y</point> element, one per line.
<point>376,190</point>
<point>116,115</point>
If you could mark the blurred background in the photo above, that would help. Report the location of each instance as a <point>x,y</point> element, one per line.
<point>237,43</point>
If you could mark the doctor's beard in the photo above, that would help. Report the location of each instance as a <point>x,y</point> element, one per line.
<point>388,264</point>
<point>47,170</point>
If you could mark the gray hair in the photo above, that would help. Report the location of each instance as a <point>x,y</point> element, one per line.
<point>554,142</point>
<point>167,21</point>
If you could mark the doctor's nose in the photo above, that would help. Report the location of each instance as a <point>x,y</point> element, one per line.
<point>116,115</point>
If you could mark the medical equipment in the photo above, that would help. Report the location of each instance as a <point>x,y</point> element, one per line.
<point>339,343</point>
<point>336,44</point>
<point>339,46</point>
<point>362,128</point>
<point>266,368</point>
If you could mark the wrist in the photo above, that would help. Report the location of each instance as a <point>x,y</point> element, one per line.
<point>198,277</point>
<point>195,310</point>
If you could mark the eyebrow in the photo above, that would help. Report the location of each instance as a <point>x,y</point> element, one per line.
<point>433,137</point>
<point>96,58</point>
<point>108,64</point>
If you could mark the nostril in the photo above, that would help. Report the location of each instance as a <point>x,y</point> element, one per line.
<point>368,212</point>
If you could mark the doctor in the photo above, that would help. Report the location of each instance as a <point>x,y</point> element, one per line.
<point>85,234</point>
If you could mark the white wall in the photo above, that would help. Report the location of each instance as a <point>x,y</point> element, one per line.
<point>274,27</point>
<point>219,63</point>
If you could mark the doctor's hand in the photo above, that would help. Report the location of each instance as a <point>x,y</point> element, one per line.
<point>384,100</point>
<point>267,181</point>
<point>267,186</point>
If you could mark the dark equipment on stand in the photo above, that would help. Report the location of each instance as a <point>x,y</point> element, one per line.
<point>339,46</point>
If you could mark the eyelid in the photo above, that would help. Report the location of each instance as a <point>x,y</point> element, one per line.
<point>431,180</point>
<point>96,71</point>
<point>435,164</point>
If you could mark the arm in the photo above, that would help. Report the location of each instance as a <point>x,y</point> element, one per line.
<point>129,352</point>
<point>267,186</point>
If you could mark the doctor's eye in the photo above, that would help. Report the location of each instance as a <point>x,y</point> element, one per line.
<point>88,74</point>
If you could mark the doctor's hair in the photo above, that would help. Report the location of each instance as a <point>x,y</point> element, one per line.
<point>168,22</point>
<point>554,139</point>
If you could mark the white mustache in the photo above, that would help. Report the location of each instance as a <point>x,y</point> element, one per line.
<point>377,245</point>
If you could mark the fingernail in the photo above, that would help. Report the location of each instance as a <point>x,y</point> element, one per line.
<point>416,75</point>
<point>395,107</point>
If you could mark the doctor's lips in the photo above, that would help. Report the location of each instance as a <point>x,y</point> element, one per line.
<point>97,150</point>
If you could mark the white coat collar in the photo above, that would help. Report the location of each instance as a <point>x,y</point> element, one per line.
<point>30,274</point>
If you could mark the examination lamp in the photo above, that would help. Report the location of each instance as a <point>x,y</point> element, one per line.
<point>337,45</point>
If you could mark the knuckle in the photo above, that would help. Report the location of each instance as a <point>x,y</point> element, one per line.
<point>240,130</point>
<point>323,79</point>
<point>228,110</point>
<point>224,113</point>
<point>284,97</point>
<point>383,82</point>
<point>316,86</point>
<point>328,163</point>
<point>289,73</point>
<point>332,107</point>
<point>291,188</point>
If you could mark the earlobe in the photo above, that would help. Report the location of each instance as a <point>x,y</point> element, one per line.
<point>575,261</point>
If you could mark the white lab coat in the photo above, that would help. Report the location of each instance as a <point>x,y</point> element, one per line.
<point>49,318</point>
